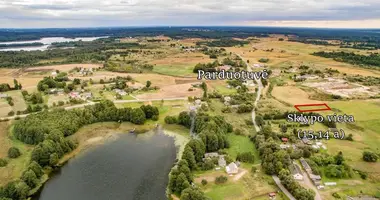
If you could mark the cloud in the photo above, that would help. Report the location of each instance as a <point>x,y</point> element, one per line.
<point>84,13</point>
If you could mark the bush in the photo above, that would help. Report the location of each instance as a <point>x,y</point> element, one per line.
<point>3,162</point>
<point>14,152</point>
<point>155,117</point>
<point>253,169</point>
<point>61,103</point>
<point>246,157</point>
<point>204,182</point>
<point>11,113</point>
<point>264,60</point>
<point>221,179</point>
<point>171,120</point>
<point>369,156</point>
<point>336,195</point>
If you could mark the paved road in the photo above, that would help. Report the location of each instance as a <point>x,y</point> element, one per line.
<point>309,184</point>
<point>145,100</point>
<point>283,189</point>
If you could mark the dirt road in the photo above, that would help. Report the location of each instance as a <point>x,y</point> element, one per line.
<point>309,184</point>
<point>283,189</point>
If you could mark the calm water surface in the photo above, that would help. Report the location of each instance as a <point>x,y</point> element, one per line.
<point>130,167</point>
<point>46,41</point>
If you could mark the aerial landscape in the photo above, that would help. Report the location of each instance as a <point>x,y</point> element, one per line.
<point>184,112</point>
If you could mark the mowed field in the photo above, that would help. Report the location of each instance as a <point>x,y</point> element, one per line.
<point>292,95</point>
<point>16,166</point>
<point>297,54</point>
<point>181,64</point>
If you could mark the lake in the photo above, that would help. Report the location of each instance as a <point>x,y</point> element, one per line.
<point>129,167</point>
<point>46,41</point>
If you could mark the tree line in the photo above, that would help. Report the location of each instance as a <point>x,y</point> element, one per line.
<point>211,136</point>
<point>276,161</point>
<point>95,51</point>
<point>352,58</point>
<point>48,130</point>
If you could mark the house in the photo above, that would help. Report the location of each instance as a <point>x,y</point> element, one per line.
<point>3,96</point>
<point>316,179</point>
<point>225,67</point>
<point>330,183</point>
<point>54,73</point>
<point>284,146</point>
<point>198,102</point>
<point>258,65</point>
<point>74,95</point>
<point>87,95</point>
<point>284,140</point>
<point>306,141</point>
<point>227,100</point>
<point>120,92</point>
<point>305,165</point>
<point>222,161</point>
<point>315,146</point>
<point>211,155</point>
<point>272,195</point>
<point>232,168</point>
<point>296,172</point>
<point>53,91</point>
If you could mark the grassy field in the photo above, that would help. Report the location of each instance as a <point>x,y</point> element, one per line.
<point>238,120</point>
<point>250,186</point>
<point>240,144</point>
<point>15,166</point>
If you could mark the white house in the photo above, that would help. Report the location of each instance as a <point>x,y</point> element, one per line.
<point>232,168</point>
<point>54,73</point>
<point>222,161</point>
<point>296,172</point>
<point>2,95</point>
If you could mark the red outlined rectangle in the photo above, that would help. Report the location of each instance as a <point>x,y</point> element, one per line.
<point>298,107</point>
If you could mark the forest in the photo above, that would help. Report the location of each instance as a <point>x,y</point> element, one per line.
<point>362,35</point>
<point>47,131</point>
<point>352,58</point>
<point>223,43</point>
<point>211,134</point>
<point>94,51</point>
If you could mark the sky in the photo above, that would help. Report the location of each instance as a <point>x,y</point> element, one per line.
<point>103,13</point>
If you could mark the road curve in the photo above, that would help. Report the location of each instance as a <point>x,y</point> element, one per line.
<point>257,128</point>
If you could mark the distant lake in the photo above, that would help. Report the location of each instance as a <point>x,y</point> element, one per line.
<point>46,41</point>
<point>131,167</point>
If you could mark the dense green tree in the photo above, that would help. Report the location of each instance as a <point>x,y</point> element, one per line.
<point>14,152</point>
<point>16,190</point>
<point>181,183</point>
<point>246,157</point>
<point>137,116</point>
<point>3,162</point>
<point>36,168</point>
<point>188,155</point>
<point>30,178</point>
<point>192,194</point>
<point>148,84</point>
<point>53,159</point>
<point>184,119</point>
<point>370,156</point>
<point>150,111</point>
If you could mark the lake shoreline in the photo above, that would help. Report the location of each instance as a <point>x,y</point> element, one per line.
<point>106,131</point>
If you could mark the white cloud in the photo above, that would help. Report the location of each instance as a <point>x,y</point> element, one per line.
<point>82,13</point>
